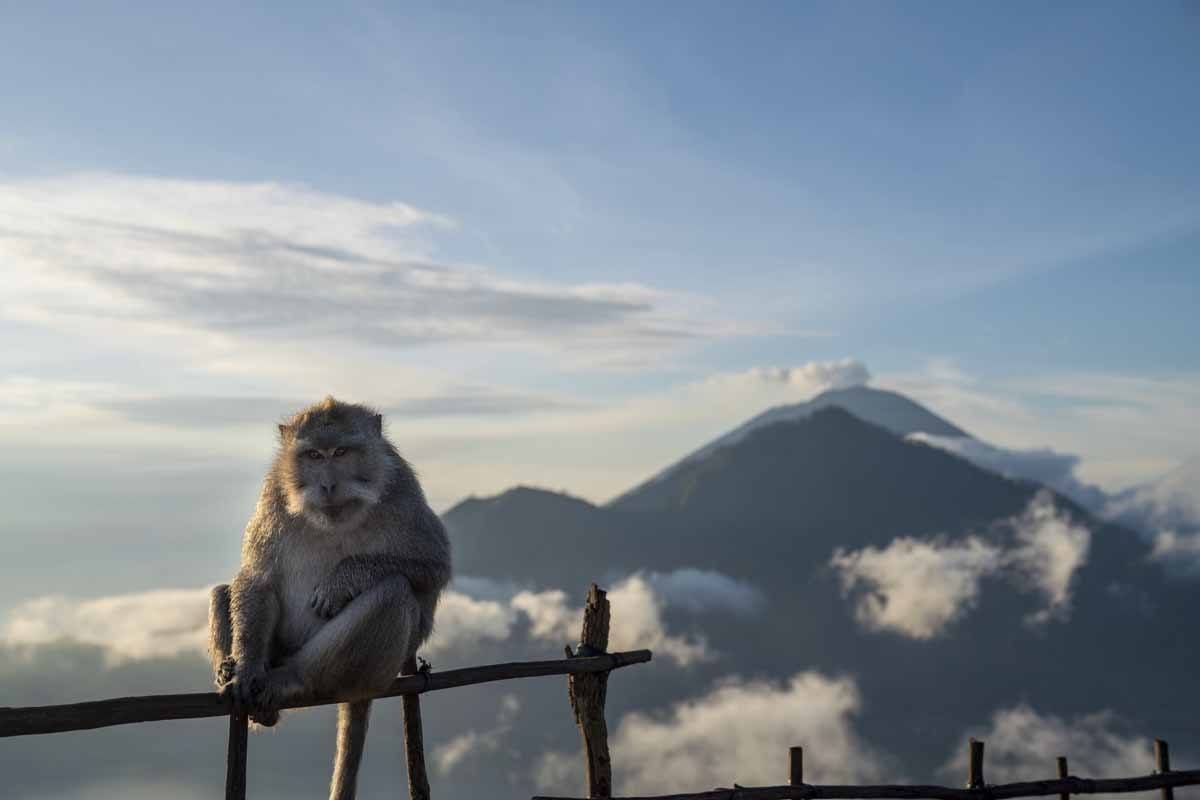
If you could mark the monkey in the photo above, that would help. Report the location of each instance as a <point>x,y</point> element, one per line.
<point>343,562</point>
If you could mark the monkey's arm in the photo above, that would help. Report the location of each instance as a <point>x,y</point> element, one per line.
<point>254,613</point>
<point>355,574</point>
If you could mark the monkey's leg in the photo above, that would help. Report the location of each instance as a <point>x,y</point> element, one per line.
<point>220,635</point>
<point>359,651</point>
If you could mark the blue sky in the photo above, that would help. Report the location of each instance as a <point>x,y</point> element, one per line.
<point>996,209</point>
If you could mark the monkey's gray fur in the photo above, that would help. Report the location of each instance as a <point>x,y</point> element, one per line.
<point>342,566</point>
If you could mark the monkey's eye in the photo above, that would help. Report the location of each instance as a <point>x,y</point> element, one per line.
<point>315,455</point>
<point>341,451</point>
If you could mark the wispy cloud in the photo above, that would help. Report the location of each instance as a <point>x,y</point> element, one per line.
<point>220,262</point>
<point>473,742</point>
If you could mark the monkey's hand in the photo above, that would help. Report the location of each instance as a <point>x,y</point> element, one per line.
<point>226,671</point>
<point>331,595</point>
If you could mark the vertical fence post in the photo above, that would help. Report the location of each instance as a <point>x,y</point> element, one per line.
<point>1162,761</point>
<point>414,740</point>
<point>795,766</point>
<point>1063,772</point>
<point>975,773</point>
<point>587,693</point>
<point>235,757</point>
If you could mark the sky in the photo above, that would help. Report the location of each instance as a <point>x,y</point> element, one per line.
<point>562,245</point>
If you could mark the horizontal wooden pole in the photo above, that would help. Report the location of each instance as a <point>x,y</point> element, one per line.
<point>33,720</point>
<point>807,791</point>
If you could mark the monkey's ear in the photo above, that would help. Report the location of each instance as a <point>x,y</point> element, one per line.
<point>379,424</point>
<point>284,432</point>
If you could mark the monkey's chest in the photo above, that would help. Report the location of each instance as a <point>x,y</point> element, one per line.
<point>301,572</point>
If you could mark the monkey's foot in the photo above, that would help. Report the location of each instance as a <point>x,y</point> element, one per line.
<point>265,719</point>
<point>277,688</point>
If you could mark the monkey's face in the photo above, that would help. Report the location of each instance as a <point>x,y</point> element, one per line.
<point>334,476</point>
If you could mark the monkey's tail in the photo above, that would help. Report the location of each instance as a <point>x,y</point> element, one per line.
<point>351,737</point>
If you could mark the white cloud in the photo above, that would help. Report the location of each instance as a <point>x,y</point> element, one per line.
<point>738,732</point>
<point>143,625</point>
<point>918,588</point>
<point>1170,502</point>
<point>700,590</point>
<point>1041,464</point>
<point>463,746</point>
<point>813,376</point>
<point>1022,745</point>
<point>913,587</point>
<point>1050,549</point>
<point>1174,548</point>
<point>636,606</point>
<point>462,621</point>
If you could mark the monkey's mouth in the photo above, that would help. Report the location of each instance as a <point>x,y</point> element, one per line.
<point>342,509</point>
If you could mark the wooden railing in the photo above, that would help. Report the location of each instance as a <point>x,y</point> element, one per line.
<point>1064,786</point>
<point>587,685</point>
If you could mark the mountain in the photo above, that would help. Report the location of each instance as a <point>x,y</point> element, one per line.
<point>889,410</point>
<point>773,505</point>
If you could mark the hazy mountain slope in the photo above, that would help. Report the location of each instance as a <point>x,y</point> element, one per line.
<point>889,410</point>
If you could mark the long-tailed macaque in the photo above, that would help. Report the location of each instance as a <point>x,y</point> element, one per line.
<point>342,566</point>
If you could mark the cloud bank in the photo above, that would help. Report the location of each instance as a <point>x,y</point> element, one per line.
<point>472,612</point>
<point>1042,464</point>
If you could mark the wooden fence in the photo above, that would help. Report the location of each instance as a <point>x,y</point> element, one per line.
<point>587,686</point>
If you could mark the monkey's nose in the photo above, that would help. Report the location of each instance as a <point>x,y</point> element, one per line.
<point>328,487</point>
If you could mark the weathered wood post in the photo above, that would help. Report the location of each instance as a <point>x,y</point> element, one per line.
<point>587,692</point>
<point>1063,772</point>
<point>975,771</point>
<point>795,766</point>
<point>414,740</point>
<point>235,757</point>
<point>1162,760</point>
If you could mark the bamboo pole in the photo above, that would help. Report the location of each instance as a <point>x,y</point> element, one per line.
<point>235,758</point>
<point>1063,772</point>
<point>795,766</point>
<point>587,693</point>
<point>975,770</point>
<point>414,740</point>
<point>1162,761</point>
<point>922,792</point>
<point>34,720</point>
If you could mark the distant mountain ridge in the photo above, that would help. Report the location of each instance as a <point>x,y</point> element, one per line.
<point>772,502</point>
